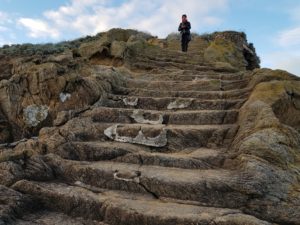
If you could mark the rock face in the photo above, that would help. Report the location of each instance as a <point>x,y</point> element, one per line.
<point>122,128</point>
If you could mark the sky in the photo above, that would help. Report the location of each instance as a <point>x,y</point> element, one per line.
<point>272,25</point>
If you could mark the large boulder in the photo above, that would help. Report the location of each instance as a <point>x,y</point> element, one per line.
<point>111,43</point>
<point>231,47</point>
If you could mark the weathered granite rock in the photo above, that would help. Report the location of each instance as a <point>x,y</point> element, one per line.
<point>35,93</point>
<point>269,138</point>
<point>222,50</point>
<point>35,114</point>
<point>12,205</point>
<point>5,129</point>
<point>121,128</point>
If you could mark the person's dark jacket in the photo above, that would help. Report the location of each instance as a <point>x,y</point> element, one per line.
<point>186,29</point>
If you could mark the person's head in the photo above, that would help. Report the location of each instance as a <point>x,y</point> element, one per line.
<point>184,18</point>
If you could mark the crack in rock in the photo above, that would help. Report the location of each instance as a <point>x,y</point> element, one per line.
<point>138,116</point>
<point>130,102</point>
<point>158,141</point>
<point>88,187</point>
<point>180,104</point>
<point>133,176</point>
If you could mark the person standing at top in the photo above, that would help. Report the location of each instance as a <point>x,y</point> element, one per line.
<point>184,28</point>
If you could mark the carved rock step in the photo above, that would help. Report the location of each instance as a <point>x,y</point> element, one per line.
<point>121,115</point>
<point>189,64</point>
<point>12,204</point>
<point>167,103</point>
<point>196,85</point>
<point>172,62</point>
<point>174,57</point>
<point>140,92</point>
<point>195,45</point>
<point>174,137</point>
<point>150,65</point>
<point>50,218</point>
<point>214,187</point>
<point>188,76</point>
<point>202,158</point>
<point>117,208</point>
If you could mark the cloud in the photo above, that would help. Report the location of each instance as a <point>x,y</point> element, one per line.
<point>2,29</point>
<point>7,35</point>
<point>165,18</point>
<point>92,16</point>
<point>5,20</point>
<point>290,37</point>
<point>3,17</point>
<point>285,60</point>
<point>287,45</point>
<point>289,63</point>
<point>294,13</point>
<point>38,28</point>
<point>5,41</point>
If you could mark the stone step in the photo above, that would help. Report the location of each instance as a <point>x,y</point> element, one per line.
<point>167,103</point>
<point>188,76</point>
<point>115,208</point>
<point>173,137</point>
<point>12,203</point>
<point>192,51</point>
<point>141,92</point>
<point>45,217</point>
<point>214,187</point>
<point>195,46</point>
<point>150,65</point>
<point>173,58</point>
<point>202,158</point>
<point>196,85</point>
<point>122,115</point>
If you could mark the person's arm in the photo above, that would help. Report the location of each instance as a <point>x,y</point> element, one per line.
<point>180,27</point>
<point>188,27</point>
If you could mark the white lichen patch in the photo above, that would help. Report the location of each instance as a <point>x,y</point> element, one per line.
<point>34,114</point>
<point>64,96</point>
<point>180,104</point>
<point>158,141</point>
<point>130,102</point>
<point>138,116</point>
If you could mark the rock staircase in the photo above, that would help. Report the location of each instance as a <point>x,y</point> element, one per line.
<point>152,151</point>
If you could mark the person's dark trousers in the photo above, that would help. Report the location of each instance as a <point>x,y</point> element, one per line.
<point>184,42</point>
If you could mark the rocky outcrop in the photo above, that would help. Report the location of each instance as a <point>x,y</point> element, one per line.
<point>229,49</point>
<point>269,145</point>
<point>124,129</point>
<point>232,47</point>
<point>35,93</point>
